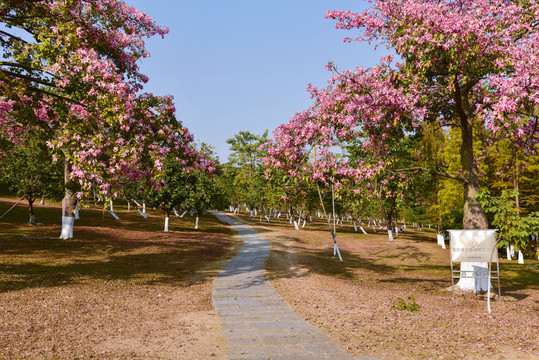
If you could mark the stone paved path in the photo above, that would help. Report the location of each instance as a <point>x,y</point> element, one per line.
<point>258,324</point>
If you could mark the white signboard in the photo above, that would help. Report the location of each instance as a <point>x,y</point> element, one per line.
<point>473,245</point>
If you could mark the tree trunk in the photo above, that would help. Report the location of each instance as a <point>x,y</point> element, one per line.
<point>474,217</point>
<point>31,209</point>
<point>386,217</point>
<point>166,220</point>
<point>68,204</point>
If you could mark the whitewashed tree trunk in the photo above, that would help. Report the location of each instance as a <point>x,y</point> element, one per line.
<point>252,213</point>
<point>144,207</point>
<point>142,214</point>
<point>111,211</point>
<point>166,224</point>
<point>440,239</point>
<point>77,217</point>
<point>363,230</point>
<point>296,225</point>
<point>390,234</point>
<point>520,257</point>
<point>304,222</point>
<point>475,285</point>
<point>508,250</point>
<point>129,206</point>
<point>196,223</point>
<point>32,219</point>
<point>42,202</point>
<point>67,227</point>
<point>114,215</point>
<point>68,205</point>
<point>355,226</point>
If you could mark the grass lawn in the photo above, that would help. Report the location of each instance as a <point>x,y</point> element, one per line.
<point>120,289</point>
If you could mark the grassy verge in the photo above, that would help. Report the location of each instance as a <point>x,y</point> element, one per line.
<point>119,289</point>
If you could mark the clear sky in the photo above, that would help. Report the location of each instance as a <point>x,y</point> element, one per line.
<point>244,65</point>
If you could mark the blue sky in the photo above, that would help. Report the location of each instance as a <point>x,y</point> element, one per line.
<point>244,65</point>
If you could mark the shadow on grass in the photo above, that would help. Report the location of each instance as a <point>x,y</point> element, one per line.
<point>129,250</point>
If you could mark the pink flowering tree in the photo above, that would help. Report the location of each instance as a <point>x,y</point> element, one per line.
<point>471,64</point>
<point>70,71</point>
<point>364,111</point>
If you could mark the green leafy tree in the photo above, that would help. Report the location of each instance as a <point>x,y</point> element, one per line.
<point>30,172</point>
<point>514,228</point>
<point>244,163</point>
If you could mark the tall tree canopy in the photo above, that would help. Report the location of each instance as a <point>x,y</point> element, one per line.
<point>471,65</point>
<point>69,70</point>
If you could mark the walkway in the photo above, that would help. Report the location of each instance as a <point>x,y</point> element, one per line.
<point>258,324</point>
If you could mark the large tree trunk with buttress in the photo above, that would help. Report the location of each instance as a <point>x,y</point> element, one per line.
<point>68,205</point>
<point>474,217</point>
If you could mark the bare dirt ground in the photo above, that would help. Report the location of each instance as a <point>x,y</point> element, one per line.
<point>353,302</point>
<point>119,290</point>
<point>126,290</point>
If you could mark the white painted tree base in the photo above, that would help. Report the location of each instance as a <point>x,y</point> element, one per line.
<point>114,214</point>
<point>166,224</point>
<point>390,234</point>
<point>440,238</point>
<point>77,216</point>
<point>508,253</point>
<point>475,285</point>
<point>142,214</point>
<point>196,223</point>
<point>67,227</point>
<point>296,225</point>
<point>363,230</point>
<point>336,251</point>
<point>520,257</point>
<point>32,220</point>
